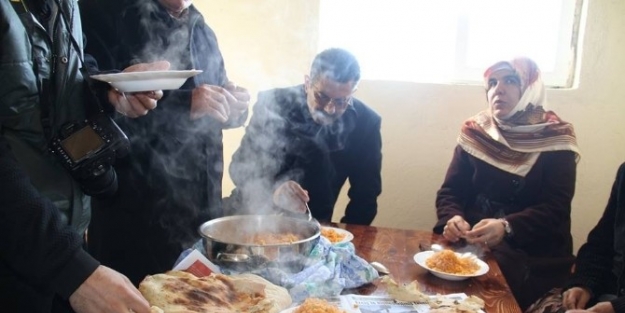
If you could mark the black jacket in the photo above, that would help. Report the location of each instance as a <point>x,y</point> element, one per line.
<point>40,256</point>
<point>282,142</point>
<point>600,263</point>
<point>539,255</point>
<point>171,181</point>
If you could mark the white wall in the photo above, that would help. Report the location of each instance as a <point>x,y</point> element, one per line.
<point>271,43</point>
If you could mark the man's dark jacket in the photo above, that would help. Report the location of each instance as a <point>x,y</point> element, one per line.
<point>43,213</point>
<point>282,142</point>
<point>600,263</point>
<point>171,181</point>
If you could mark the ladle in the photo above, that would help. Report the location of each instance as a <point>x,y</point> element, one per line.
<point>382,270</point>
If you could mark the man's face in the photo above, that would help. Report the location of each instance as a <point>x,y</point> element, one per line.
<point>328,99</point>
<point>504,92</point>
<point>175,7</point>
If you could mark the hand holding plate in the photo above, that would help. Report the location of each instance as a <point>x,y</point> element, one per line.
<point>139,103</point>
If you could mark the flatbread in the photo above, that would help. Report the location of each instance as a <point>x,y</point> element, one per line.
<point>178,292</point>
<point>279,295</point>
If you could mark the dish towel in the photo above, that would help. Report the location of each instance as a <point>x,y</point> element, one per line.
<point>329,269</point>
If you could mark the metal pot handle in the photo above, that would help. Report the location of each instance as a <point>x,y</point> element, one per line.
<point>232,257</point>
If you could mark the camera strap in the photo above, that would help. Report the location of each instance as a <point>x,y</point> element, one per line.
<point>43,85</point>
<point>90,92</point>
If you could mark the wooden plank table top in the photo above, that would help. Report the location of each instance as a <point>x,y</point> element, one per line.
<point>395,249</point>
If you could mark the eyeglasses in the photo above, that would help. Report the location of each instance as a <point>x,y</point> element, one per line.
<point>323,100</point>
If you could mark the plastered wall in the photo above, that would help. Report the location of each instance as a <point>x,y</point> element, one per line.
<point>271,43</point>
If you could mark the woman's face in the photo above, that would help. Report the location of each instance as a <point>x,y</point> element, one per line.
<point>175,7</point>
<point>504,92</point>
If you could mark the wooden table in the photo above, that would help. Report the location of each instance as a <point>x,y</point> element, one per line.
<point>395,249</point>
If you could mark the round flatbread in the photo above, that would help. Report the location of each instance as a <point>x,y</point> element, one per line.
<point>178,291</point>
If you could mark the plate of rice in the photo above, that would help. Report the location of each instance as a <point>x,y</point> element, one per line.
<point>451,265</point>
<point>336,235</point>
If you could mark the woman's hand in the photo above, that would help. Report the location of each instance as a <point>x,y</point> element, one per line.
<point>575,298</point>
<point>291,196</point>
<point>456,228</point>
<point>601,307</point>
<point>489,232</point>
<point>137,104</point>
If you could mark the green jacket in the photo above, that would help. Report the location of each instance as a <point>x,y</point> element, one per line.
<point>31,54</point>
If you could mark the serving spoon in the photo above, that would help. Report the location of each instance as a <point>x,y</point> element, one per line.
<point>382,270</point>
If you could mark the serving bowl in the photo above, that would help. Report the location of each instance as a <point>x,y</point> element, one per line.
<point>228,242</point>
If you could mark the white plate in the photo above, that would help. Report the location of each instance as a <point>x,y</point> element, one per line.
<point>422,256</point>
<point>146,81</point>
<point>347,235</point>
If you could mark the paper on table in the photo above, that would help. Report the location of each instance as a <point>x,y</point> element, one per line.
<point>384,303</point>
<point>197,264</point>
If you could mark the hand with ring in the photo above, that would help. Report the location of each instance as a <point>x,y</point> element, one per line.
<point>456,228</point>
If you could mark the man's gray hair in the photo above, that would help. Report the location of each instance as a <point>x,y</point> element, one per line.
<point>336,64</point>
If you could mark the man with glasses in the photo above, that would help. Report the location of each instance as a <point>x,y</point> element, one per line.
<point>304,142</point>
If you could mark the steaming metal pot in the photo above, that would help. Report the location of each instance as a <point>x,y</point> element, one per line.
<point>228,242</point>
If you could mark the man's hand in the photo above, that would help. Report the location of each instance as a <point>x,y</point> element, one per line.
<point>575,298</point>
<point>221,103</point>
<point>108,291</point>
<point>243,100</point>
<point>291,196</point>
<point>138,103</point>
<point>456,228</point>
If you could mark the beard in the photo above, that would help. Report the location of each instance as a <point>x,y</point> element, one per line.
<point>323,118</point>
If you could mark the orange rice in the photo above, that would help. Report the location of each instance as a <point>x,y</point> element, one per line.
<point>315,305</point>
<point>447,261</point>
<point>332,234</point>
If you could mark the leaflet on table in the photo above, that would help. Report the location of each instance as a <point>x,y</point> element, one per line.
<point>383,303</point>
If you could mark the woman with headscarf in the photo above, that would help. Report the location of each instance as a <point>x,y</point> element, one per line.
<point>511,181</point>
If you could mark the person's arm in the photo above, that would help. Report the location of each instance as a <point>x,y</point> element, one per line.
<point>365,178</point>
<point>452,196</point>
<point>48,254</point>
<point>37,245</point>
<point>553,206</point>
<point>593,264</point>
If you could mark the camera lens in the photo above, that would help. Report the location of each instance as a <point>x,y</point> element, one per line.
<point>101,183</point>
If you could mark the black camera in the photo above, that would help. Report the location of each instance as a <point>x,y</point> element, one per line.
<point>88,149</point>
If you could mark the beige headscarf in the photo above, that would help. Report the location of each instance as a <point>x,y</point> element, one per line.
<point>513,143</point>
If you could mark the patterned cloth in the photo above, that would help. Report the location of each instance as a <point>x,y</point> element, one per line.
<point>550,303</point>
<point>514,142</point>
<point>329,269</point>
